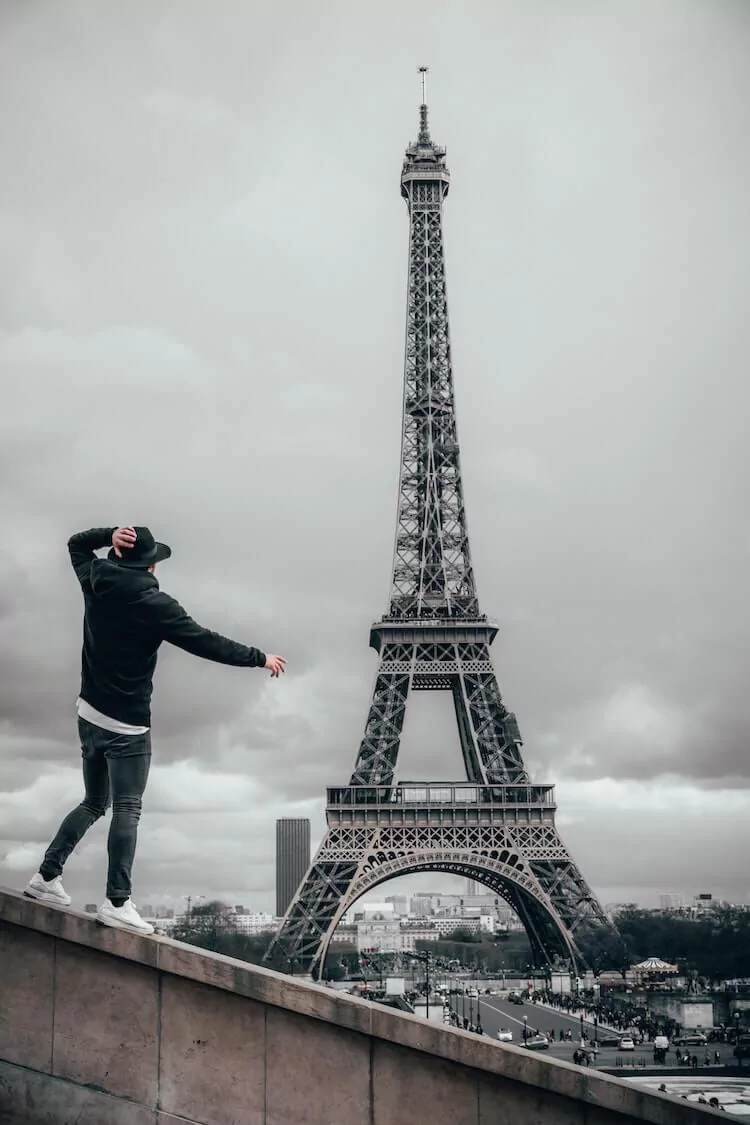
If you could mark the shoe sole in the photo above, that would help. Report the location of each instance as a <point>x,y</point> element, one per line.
<point>50,900</point>
<point>123,926</point>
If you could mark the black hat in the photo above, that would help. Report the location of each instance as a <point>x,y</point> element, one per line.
<point>144,552</point>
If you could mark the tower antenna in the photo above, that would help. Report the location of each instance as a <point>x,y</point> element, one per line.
<point>423,71</point>
<point>424,131</point>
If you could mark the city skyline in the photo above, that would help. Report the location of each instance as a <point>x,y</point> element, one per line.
<point>158,231</point>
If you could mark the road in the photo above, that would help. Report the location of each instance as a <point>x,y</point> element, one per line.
<point>496,1013</point>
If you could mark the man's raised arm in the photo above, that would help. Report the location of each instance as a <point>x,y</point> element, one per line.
<point>178,628</point>
<point>82,546</point>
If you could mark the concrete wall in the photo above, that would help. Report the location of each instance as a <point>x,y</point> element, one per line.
<point>100,1026</point>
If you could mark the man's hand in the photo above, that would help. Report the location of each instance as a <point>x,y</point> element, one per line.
<point>123,539</point>
<point>277,665</point>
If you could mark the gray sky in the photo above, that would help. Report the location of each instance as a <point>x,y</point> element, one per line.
<point>202,272</point>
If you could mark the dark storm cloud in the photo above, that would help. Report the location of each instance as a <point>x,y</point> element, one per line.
<point>201,328</point>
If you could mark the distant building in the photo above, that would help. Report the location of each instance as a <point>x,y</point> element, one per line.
<point>379,934</point>
<point>412,932</point>
<point>671,902</point>
<point>379,910</point>
<point>400,903</point>
<point>253,922</point>
<point>292,859</point>
<point>474,888</point>
<point>343,935</point>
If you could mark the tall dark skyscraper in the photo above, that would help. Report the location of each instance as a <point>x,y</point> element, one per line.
<point>292,859</point>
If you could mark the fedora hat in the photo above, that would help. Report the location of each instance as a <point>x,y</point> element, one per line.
<point>144,552</point>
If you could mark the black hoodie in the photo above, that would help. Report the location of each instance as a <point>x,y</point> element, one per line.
<point>126,618</point>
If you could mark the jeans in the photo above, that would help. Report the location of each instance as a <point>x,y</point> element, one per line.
<point>115,771</point>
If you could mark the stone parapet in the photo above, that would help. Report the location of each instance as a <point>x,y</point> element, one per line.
<point>102,1026</point>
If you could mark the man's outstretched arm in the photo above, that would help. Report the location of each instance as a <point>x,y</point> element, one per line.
<point>178,628</point>
<point>82,546</point>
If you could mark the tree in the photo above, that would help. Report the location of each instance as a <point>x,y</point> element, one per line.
<point>602,948</point>
<point>463,935</point>
<point>716,946</point>
<point>205,925</point>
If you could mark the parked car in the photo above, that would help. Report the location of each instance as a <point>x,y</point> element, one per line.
<point>609,1040</point>
<point>626,1044</point>
<point>690,1039</point>
<point>505,1035</point>
<point>537,1043</point>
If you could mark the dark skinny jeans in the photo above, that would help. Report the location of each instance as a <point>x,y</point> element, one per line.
<point>115,771</point>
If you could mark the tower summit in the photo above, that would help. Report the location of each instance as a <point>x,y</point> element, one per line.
<point>424,132</point>
<point>494,826</point>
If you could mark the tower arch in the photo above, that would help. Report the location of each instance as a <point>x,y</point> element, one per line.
<point>507,880</point>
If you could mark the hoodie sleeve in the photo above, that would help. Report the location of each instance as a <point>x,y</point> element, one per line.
<point>82,546</point>
<point>176,626</point>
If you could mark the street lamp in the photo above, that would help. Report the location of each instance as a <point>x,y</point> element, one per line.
<point>525,1028</point>
<point>427,981</point>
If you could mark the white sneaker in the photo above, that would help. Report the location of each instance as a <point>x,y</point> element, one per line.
<point>51,891</point>
<point>124,917</point>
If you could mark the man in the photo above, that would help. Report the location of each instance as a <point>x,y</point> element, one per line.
<point>126,618</point>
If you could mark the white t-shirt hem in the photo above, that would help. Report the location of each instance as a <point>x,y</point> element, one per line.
<point>91,715</point>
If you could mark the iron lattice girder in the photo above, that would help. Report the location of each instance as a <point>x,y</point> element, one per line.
<point>432,561</point>
<point>452,656</point>
<point>434,638</point>
<point>524,862</point>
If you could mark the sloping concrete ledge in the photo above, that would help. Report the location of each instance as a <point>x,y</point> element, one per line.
<point>98,1025</point>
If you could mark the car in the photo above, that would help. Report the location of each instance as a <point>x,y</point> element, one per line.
<point>537,1043</point>
<point>626,1044</point>
<point>690,1039</point>
<point>505,1035</point>
<point>515,998</point>
<point>609,1040</point>
<point>471,992</point>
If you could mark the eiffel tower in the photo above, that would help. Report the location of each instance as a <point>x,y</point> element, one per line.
<point>495,826</point>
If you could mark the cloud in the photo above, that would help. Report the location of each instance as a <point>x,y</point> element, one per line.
<point>201,329</point>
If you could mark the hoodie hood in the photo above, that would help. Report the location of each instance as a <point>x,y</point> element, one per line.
<point>124,584</point>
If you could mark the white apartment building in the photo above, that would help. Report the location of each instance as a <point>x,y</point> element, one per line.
<point>394,935</point>
<point>671,902</point>
<point>253,922</point>
<point>381,935</point>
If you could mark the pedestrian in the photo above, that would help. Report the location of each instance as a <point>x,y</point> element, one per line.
<point>717,1056</point>
<point>694,1062</point>
<point>126,618</point>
